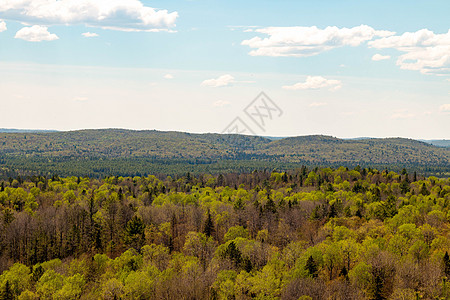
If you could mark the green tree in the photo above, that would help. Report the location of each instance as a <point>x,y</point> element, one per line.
<point>311,266</point>
<point>404,186</point>
<point>209,226</point>
<point>446,261</point>
<point>423,190</point>
<point>235,232</point>
<point>135,233</point>
<point>7,292</point>
<point>234,254</point>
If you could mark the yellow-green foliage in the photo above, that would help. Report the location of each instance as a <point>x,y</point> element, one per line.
<point>304,234</point>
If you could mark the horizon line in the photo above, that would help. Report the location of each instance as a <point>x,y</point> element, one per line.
<point>40,130</point>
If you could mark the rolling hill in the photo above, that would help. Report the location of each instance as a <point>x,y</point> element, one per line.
<point>128,152</point>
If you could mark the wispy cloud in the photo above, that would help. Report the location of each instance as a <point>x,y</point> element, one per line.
<point>378,57</point>
<point>89,34</point>
<point>168,76</point>
<point>224,80</point>
<point>314,83</point>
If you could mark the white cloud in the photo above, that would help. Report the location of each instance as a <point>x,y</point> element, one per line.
<point>2,26</point>
<point>35,33</point>
<point>317,104</point>
<point>308,41</point>
<point>125,15</point>
<point>445,108</point>
<point>314,83</point>
<point>168,76</point>
<point>223,80</point>
<point>89,34</point>
<point>378,57</point>
<point>425,51</point>
<point>221,103</point>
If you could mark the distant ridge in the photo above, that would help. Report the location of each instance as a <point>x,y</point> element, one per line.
<point>439,143</point>
<point>101,152</point>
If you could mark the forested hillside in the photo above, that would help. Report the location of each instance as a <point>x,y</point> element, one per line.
<point>100,153</point>
<point>305,234</point>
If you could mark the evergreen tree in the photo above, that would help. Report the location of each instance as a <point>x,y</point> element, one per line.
<point>284,178</point>
<point>311,266</point>
<point>404,186</point>
<point>7,292</point>
<point>234,254</point>
<point>209,226</point>
<point>247,265</point>
<point>423,190</point>
<point>446,264</point>
<point>390,207</point>
<point>344,273</point>
<point>135,231</point>
<point>270,206</point>
<point>37,273</point>
<point>332,213</point>
<point>358,213</point>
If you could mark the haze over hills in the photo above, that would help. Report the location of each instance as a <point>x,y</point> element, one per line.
<point>14,130</point>
<point>439,143</point>
<point>118,151</point>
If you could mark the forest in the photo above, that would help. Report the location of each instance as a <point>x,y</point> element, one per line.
<point>308,233</point>
<point>109,152</point>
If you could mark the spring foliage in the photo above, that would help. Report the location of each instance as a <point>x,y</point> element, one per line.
<point>303,234</point>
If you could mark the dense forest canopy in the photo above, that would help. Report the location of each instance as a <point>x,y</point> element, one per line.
<point>321,233</point>
<point>100,153</point>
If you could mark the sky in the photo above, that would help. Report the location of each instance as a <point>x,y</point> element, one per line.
<point>339,68</point>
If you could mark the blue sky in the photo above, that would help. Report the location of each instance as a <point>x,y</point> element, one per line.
<point>341,68</point>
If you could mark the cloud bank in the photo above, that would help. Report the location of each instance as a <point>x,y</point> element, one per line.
<point>124,15</point>
<point>424,50</point>
<point>309,41</point>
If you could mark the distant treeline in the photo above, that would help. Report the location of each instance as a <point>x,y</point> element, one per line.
<point>100,168</point>
<point>100,153</point>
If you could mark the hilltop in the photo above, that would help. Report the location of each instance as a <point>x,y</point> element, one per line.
<point>118,151</point>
